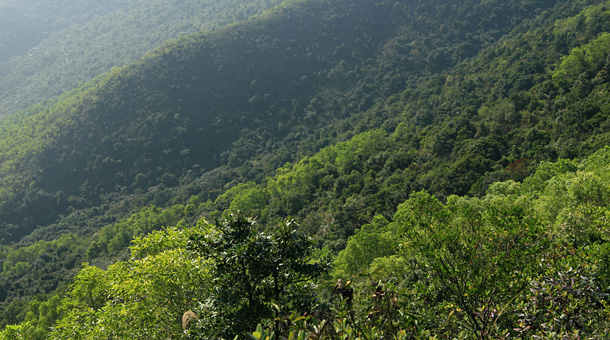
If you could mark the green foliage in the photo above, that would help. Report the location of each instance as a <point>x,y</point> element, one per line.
<point>375,241</point>
<point>545,171</point>
<point>26,23</point>
<point>477,257</point>
<point>497,266</point>
<point>340,170</point>
<point>41,317</point>
<point>116,237</point>
<point>245,197</point>
<point>56,46</point>
<point>51,260</point>
<point>262,334</point>
<point>319,86</point>
<point>489,267</point>
<point>587,58</point>
<point>564,193</point>
<point>109,132</point>
<point>564,299</point>
<point>13,332</point>
<point>256,276</point>
<point>141,298</point>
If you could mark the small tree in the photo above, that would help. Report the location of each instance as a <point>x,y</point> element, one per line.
<point>255,274</point>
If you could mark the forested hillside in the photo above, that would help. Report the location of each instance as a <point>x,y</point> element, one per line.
<point>525,260</point>
<point>449,154</point>
<point>26,23</point>
<point>49,47</point>
<point>147,126</point>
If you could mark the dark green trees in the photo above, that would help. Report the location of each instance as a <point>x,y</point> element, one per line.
<point>256,275</point>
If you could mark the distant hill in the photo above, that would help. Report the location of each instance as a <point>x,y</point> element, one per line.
<point>25,24</point>
<point>49,47</point>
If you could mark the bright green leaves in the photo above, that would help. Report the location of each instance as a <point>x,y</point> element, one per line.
<point>574,203</point>
<point>141,298</point>
<point>468,255</point>
<point>536,183</point>
<point>40,318</point>
<point>352,154</point>
<point>590,57</point>
<point>262,334</point>
<point>246,197</point>
<point>242,276</point>
<point>372,242</point>
<point>159,241</point>
<point>523,260</point>
<point>338,170</point>
<point>113,238</point>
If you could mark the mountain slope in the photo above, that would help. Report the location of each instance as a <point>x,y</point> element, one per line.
<point>52,47</point>
<point>187,103</point>
<point>27,23</point>
<point>399,104</point>
<point>491,118</point>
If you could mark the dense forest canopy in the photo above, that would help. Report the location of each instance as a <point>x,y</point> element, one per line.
<point>442,165</point>
<point>107,138</point>
<point>49,47</point>
<point>27,23</point>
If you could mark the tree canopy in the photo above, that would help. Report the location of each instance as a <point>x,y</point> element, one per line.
<point>450,157</point>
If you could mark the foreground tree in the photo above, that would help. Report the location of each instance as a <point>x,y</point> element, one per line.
<point>257,276</point>
<point>143,298</point>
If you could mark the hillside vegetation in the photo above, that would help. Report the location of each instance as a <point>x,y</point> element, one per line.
<point>147,126</point>
<point>525,260</point>
<point>51,47</point>
<point>448,158</point>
